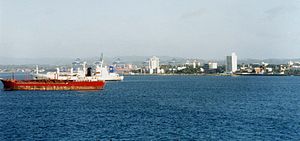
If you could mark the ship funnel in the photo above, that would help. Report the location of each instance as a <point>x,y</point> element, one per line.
<point>89,71</point>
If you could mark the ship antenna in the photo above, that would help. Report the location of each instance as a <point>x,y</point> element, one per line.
<point>101,60</point>
<point>37,69</point>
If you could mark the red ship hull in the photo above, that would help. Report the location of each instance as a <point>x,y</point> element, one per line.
<point>50,85</point>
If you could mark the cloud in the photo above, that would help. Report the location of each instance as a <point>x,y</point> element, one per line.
<point>279,11</point>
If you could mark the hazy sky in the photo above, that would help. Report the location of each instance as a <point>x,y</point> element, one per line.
<point>208,29</point>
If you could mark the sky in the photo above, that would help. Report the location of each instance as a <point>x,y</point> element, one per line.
<point>206,29</point>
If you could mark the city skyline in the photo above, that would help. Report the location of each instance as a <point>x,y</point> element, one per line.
<point>195,29</point>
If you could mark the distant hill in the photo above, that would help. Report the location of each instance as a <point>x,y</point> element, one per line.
<point>64,61</point>
<point>138,60</point>
<point>25,61</point>
<point>270,61</point>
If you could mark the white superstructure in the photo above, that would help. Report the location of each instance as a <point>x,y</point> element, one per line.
<point>80,71</point>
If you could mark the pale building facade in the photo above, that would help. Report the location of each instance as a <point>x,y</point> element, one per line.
<point>212,65</point>
<point>154,65</point>
<point>231,63</point>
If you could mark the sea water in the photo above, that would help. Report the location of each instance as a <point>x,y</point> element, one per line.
<point>158,108</point>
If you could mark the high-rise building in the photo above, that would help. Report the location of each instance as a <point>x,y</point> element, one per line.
<point>154,65</point>
<point>231,63</point>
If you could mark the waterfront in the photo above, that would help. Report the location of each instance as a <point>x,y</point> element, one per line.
<point>158,107</point>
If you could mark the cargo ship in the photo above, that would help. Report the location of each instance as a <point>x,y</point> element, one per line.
<point>80,83</point>
<point>81,77</point>
<point>52,85</point>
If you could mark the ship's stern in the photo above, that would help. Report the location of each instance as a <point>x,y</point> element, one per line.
<point>8,85</point>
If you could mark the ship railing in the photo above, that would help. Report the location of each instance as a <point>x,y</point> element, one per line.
<point>86,80</point>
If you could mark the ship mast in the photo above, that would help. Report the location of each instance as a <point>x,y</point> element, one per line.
<point>37,69</point>
<point>101,60</point>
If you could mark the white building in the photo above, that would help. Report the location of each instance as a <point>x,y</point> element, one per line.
<point>196,63</point>
<point>154,65</point>
<point>212,65</point>
<point>231,63</point>
<point>193,63</point>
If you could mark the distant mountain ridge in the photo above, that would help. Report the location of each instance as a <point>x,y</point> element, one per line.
<point>127,59</point>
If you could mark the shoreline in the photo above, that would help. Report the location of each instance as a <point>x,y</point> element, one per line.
<point>232,75</point>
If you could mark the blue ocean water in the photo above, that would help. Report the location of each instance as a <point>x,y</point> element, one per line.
<point>158,108</point>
